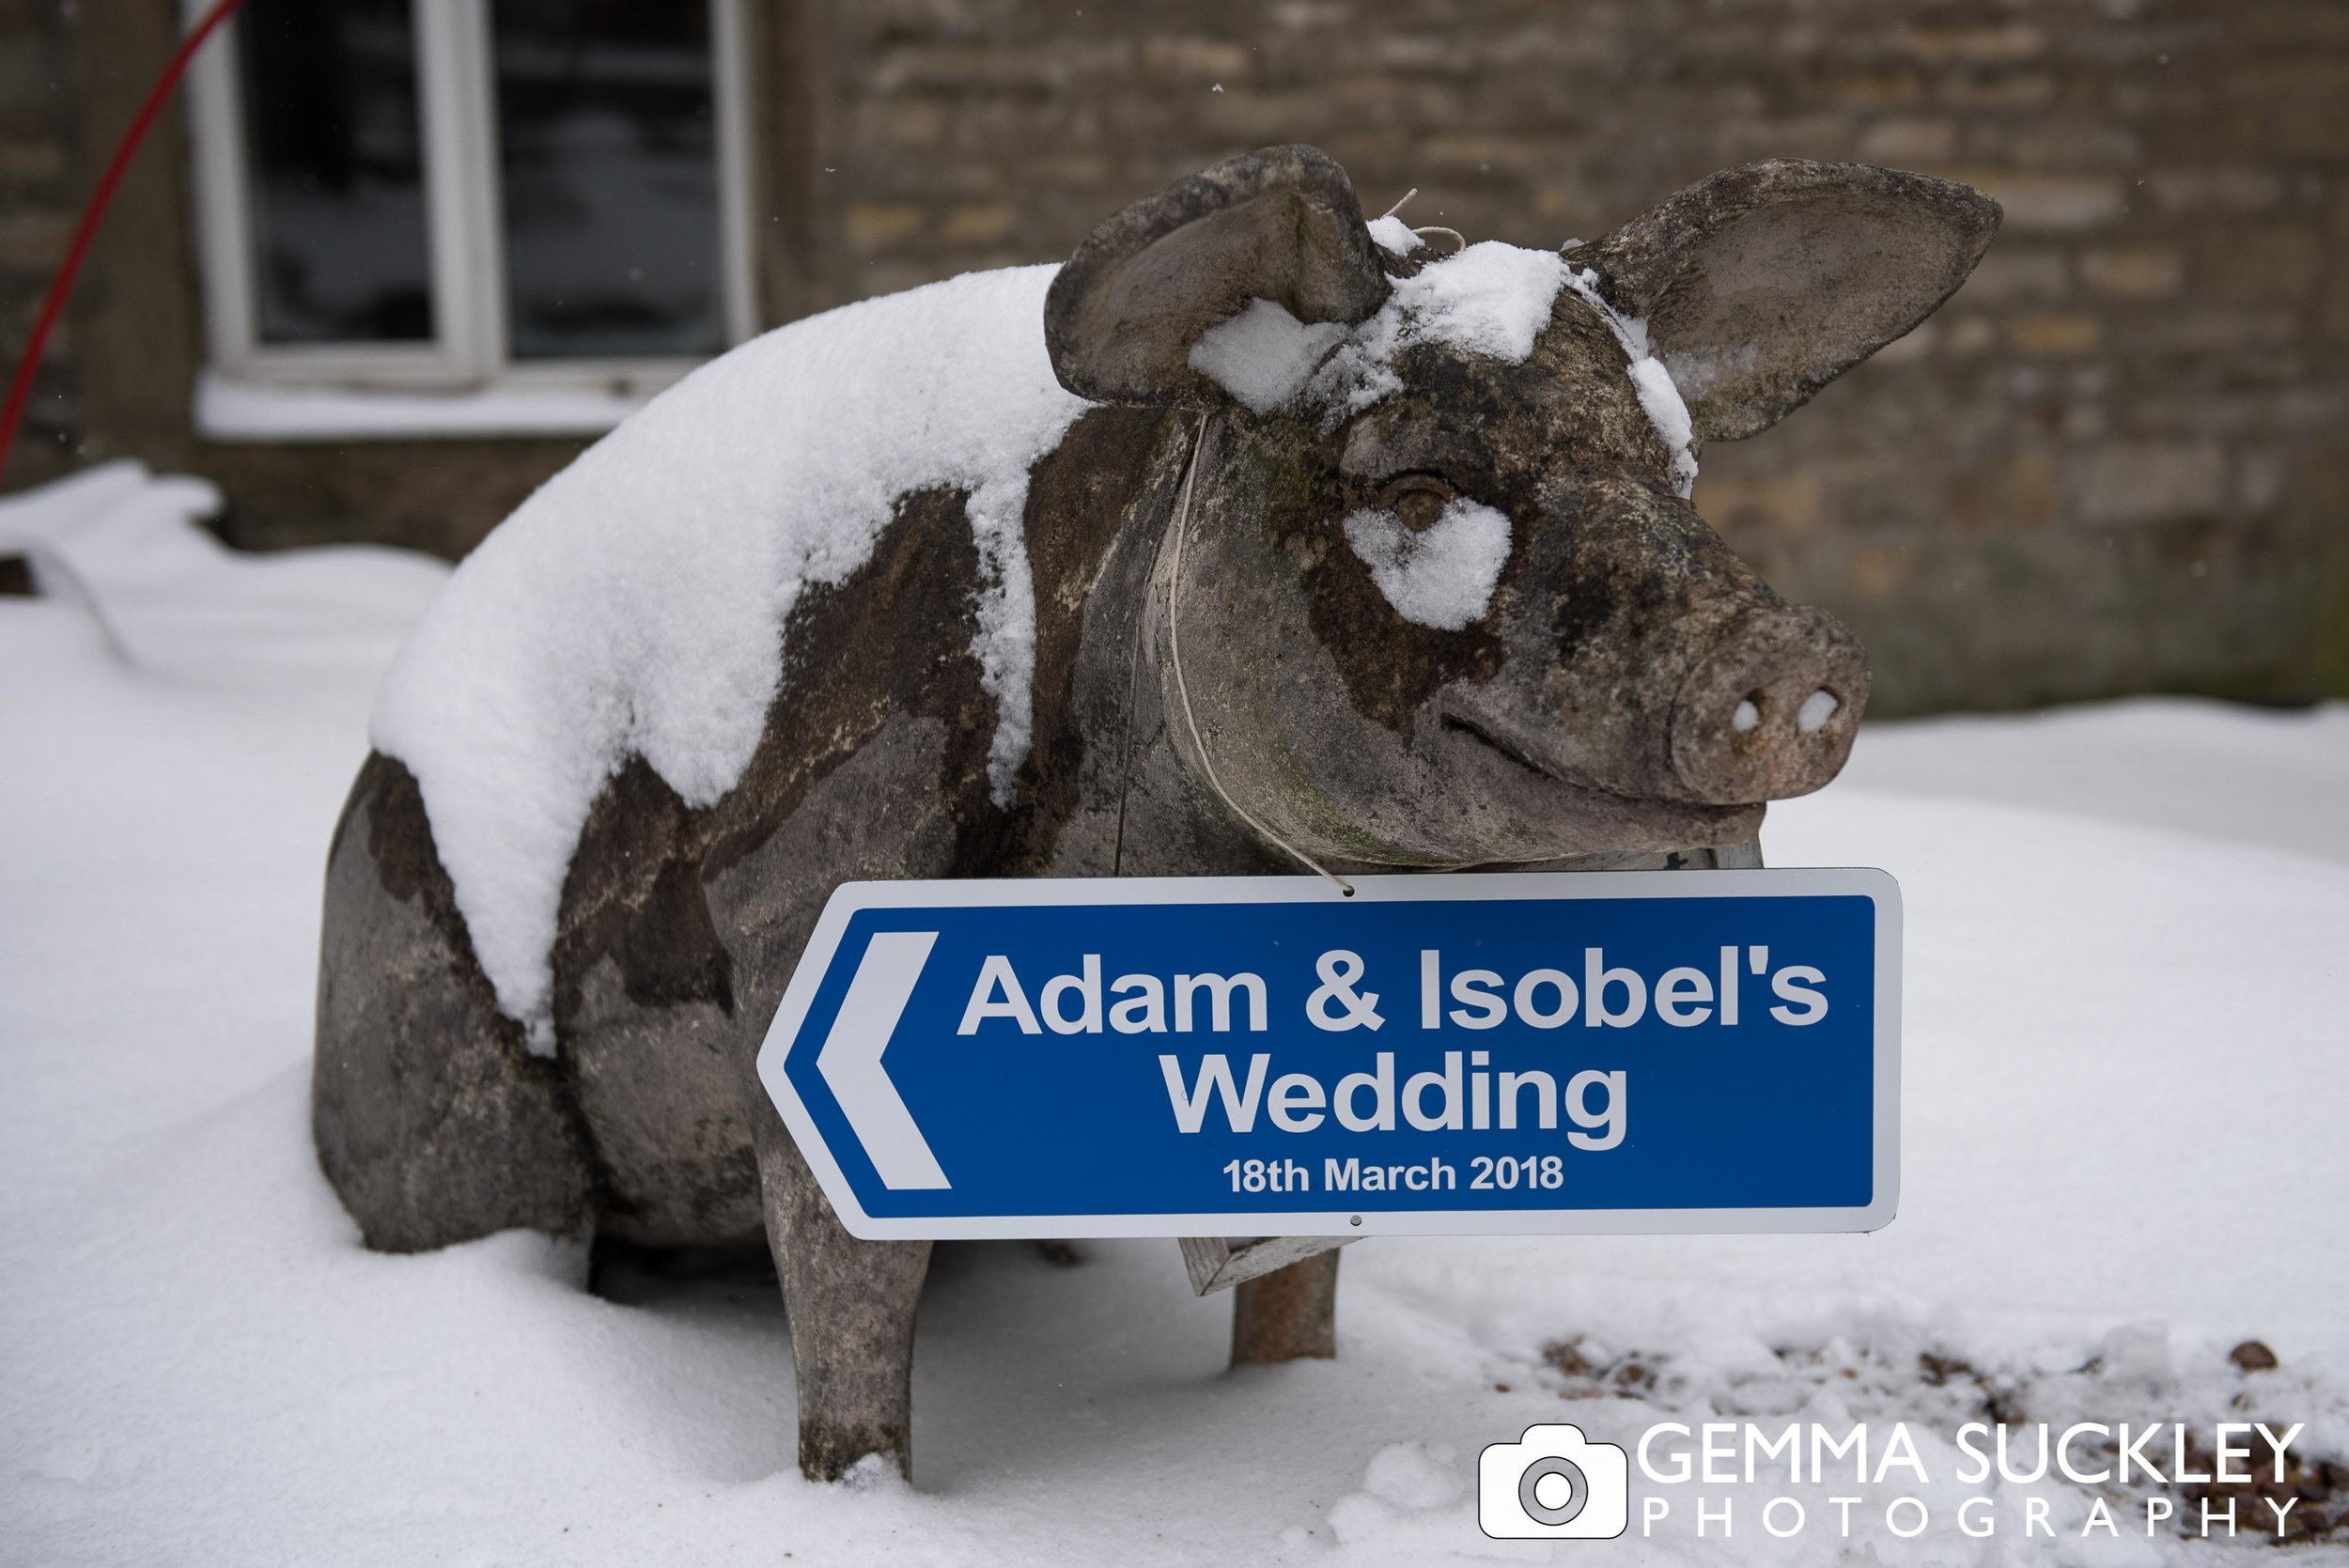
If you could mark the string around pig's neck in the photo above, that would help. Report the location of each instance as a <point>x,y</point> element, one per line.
<point>1181,526</point>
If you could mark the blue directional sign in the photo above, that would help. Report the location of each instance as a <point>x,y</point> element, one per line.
<point>1619,1051</point>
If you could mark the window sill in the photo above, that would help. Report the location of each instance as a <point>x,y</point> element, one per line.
<point>229,410</point>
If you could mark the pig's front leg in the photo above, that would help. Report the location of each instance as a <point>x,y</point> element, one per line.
<point>851,1304</point>
<point>1288,1314</point>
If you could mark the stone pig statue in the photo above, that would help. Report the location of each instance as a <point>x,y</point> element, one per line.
<point>1256,537</point>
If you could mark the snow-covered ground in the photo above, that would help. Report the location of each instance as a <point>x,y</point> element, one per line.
<point>2125,1120</point>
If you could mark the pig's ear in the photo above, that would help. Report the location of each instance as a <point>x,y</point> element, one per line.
<point>1760,285</point>
<point>1279,225</point>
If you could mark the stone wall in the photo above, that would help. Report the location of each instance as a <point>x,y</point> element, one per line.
<point>38,194</point>
<point>2118,460</point>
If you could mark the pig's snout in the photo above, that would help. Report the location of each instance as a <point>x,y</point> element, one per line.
<point>1770,711</point>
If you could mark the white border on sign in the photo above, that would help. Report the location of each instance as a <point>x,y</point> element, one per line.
<point>1878,887</point>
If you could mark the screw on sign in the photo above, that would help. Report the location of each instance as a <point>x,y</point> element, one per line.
<point>1256,542</point>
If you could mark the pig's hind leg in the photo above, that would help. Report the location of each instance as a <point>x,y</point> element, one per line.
<point>432,1120</point>
<point>851,1305</point>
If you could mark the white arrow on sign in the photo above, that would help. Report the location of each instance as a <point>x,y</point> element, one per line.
<point>850,1060</point>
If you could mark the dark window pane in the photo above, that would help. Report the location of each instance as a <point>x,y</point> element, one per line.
<point>336,164</point>
<point>607,136</point>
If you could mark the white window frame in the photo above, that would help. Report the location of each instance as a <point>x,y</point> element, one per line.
<point>464,382</point>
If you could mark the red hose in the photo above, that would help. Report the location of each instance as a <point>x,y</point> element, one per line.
<point>20,389</point>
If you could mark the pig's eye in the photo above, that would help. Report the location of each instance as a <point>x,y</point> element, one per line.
<point>1417,500</point>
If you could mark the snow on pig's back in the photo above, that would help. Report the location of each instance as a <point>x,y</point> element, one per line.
<point>635,603</point>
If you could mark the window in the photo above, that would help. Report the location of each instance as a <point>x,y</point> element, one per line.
<point>452,216</point>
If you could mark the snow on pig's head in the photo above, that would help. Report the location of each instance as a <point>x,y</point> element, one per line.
<point>1439,594</point>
